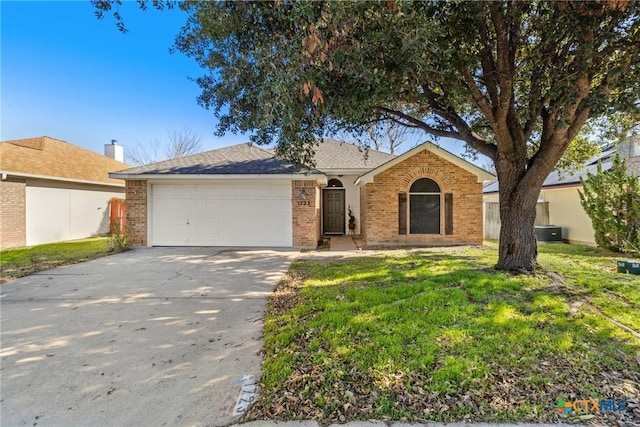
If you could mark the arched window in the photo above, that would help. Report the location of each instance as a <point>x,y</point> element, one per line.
<point>424,207</point>
<point>334,183</point>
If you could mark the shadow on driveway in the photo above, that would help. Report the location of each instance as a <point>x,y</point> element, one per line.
<point>155,336</point>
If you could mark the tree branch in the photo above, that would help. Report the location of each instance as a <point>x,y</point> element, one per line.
<point>395,115</point>
<point>464,130</point>
<point>478,98</point>
<point>503,56</point>
<point>489,71</point>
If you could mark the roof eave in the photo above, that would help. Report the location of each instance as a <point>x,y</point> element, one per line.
<point>343,171</point>
<point>322,178</point>
<point>61,179</point>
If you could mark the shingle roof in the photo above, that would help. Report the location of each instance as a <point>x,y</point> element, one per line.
<point>559,178</point>
<point>333,154</point>
<point>54,158</point>
<point>238,159</point>
<point>247,159</point>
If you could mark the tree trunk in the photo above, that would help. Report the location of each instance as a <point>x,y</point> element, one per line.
<point>518,249</point>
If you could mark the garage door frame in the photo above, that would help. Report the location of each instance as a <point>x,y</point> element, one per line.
<point>280,236</point>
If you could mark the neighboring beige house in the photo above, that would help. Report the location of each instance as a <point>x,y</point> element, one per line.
<point>52,191</point>
<point>244,196</point>
<point>559,201</point>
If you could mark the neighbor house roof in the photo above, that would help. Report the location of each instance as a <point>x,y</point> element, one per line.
<point>50,158</point>
<point>562,179</point>
<point>241,159</point>
<point>480,173</point>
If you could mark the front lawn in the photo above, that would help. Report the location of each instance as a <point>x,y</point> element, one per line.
<point>24,261</point>
<point>439,335</point>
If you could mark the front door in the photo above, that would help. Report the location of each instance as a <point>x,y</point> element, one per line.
<point>333,211</point>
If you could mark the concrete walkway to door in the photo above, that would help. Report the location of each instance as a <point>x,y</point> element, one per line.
<point>342,244</point>
<point>150,337</point>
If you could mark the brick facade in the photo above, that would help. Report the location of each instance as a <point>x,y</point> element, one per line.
<point>136,197</point>
<point>379,203</point>
<point>379,208</point>
<point>13,213</point>
<point>306,213</point>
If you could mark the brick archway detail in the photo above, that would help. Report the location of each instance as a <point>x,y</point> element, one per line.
<point>426,172</point>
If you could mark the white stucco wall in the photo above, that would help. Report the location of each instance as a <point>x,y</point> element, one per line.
<point>566,211</point>
<point>58,214</point>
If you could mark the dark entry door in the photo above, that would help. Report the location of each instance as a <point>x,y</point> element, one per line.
<point>333,211</point>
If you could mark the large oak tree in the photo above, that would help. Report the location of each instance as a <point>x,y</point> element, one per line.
<point>515,81</point>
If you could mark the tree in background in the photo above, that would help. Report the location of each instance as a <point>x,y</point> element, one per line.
<point>180,143</point>
<point>515,81</point>
<point>612,200</point>
<point>384,136</point>
<point>389,136</point>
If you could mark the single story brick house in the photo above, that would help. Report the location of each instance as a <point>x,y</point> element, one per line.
<point>244,196</point>
<point>52,191</point>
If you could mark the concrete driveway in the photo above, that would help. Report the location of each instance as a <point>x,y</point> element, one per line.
<point>150,337</point>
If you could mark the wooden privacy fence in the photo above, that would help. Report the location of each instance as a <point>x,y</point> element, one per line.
<point>492,218</point>
<point>118,216</point>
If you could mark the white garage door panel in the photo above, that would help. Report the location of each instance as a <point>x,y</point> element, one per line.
<point>227,214</point>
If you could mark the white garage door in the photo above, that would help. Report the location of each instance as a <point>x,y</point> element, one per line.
<point>224,214</point>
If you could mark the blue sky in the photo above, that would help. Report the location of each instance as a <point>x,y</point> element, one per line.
<point>67,75</point>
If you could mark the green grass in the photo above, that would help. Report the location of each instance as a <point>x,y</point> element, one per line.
<point>24,261</point>
<point>442,336</point>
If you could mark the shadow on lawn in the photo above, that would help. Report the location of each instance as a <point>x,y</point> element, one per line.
<point>438,337</point>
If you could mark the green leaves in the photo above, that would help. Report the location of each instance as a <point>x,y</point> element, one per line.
<point>515,81</point>
<point>612,200</point>
<point>293,71</point>
<point>486,73</point>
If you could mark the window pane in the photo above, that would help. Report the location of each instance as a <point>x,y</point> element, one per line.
<point>424,214</point>
<point>424,185</point>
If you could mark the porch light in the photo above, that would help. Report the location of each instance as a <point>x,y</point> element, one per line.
<point>303,194</point>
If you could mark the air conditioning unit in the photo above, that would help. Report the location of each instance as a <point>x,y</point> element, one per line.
<point>629,267</point>
<point>548,233</point>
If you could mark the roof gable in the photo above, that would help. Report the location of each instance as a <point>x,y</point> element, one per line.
<point>481,174</point>
<point>53,158</point>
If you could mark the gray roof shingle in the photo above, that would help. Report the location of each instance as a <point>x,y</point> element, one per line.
<point>247,159</point>
<point>241,159</point>
<point>333,154</point>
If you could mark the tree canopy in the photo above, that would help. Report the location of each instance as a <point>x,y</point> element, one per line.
<point>482,72</point>
<point>611,198</point>
<point>516,81</point>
